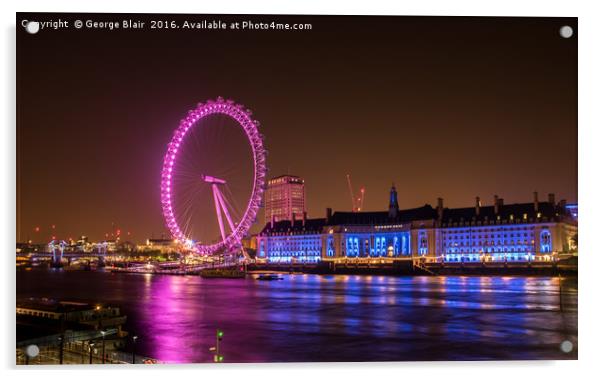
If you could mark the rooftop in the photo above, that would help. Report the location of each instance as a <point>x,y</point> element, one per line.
<point>311,225</point>
<point>52,305</point>
<point>506,212</point>
<point>425,212</point>
<point>545,209</point>
<point>286,178</point>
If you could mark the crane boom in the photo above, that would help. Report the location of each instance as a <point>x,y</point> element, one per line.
<point>357,203</point>
<point>351,193</point>
<point>361,199</point>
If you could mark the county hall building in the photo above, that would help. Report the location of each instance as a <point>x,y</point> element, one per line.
<point>534,231</point>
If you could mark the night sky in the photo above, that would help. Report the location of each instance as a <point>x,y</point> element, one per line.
<point>442,107</point>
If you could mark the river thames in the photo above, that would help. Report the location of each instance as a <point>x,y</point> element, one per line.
<point>306,317</point>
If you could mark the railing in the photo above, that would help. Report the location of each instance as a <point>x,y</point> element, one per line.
<point>69,337</point>
<point>80,353</point>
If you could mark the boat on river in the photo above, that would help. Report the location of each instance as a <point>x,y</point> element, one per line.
<point>222,273</point>
<point>269,277</point>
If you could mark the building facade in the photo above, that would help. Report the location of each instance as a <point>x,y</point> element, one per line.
<point>536,231</point>
<point>291,241</point>
<point>284,198</point>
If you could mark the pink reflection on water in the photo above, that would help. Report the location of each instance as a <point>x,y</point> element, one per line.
<point>164,309</point>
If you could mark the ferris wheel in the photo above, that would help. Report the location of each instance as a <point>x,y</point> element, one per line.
<point>213,177</point>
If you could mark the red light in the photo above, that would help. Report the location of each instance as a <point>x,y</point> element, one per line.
<point>37,229</point>
<point>53,227</point>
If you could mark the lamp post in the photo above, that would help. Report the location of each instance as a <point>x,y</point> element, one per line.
<point>61,345</point>
<point>134,338</point>
<point>218,337</point>
<point>91,346</point>
<point>103,346</point>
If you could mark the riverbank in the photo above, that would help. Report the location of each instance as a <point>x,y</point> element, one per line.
<point>409,268</point>
<point>352,269</point>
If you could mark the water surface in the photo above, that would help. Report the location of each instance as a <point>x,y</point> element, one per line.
<point>329,318</point>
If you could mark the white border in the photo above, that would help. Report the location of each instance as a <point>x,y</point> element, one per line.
<point>590,199</point>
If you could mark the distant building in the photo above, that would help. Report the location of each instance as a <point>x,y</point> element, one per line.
<point>162,245</point>
<point>84,244</point>
<point>535,231</point>
<point>31,248</point>
<point>249,242</point>
<point>111,245</point>
<point>284,199</point>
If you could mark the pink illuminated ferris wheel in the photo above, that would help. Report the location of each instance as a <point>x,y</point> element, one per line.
<point>213,177</point>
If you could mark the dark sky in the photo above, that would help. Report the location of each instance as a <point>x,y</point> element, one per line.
<point>443,107</point>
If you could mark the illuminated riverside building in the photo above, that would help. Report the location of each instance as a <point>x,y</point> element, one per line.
<point>289,241</point>
<point>284,198</point>
<point>534,231</point>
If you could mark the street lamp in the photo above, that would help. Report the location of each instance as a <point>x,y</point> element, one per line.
<point>91,345</point>
<point>61,343</point>
<point>218,337</point>
<point>103,346</point>
<point>134,338</point>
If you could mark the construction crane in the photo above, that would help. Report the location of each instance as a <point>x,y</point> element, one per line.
<point>357,203</point>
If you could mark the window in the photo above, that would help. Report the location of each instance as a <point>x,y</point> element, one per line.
<point>545,240</point>
<point>423,243</point>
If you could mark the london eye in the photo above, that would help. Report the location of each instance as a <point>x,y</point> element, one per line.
<point>213,177</point>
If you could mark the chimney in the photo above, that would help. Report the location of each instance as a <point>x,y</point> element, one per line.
<point>496,204</point>
<point>535,202</point>
<point>328,214</point>
<point>293,219</point>
<point>501,201</point>
<point>440,208</point>
<point>477,206</point>
<point>272,221</point>
<point>552,199</point>
<point>393,204</point>
<point>304,218</point>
